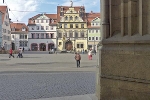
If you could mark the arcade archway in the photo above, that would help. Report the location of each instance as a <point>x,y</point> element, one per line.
<point>50,46</point>
<point>42,47</point>
<point>34,47</point>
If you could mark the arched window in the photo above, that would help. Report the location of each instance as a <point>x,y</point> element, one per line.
<point>71,17</point>
<point>76,18</point>
<point>66,18</point>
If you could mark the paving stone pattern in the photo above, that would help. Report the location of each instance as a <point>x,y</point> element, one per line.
<point>25,86</point>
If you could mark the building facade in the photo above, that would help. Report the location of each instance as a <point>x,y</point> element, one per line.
<point>19,36</point>
<point>42,32</point>
<point>72,28</point>
<point>6,31</point>
<point>94,35</point>
<point>1,29</point>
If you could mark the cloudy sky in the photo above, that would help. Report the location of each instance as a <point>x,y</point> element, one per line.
<point>21,10</point>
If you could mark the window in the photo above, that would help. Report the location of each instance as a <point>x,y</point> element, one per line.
<point>96,38</point>
<point>93,24</point>
<point>66,18</point>
<point>59,43</point>
<point>70,34</point>
<point>60,25</point>
<point>52,35</point>
<point>89,38</point>
<point>32,28</point>
<point>42,27</point>
<point>76,25</point>
<point>47,27</point>
<point>25,36</point>
<point>89,31</point>
<point>23,43</point>
<point>37,27</point>
<point>41,20</point>
<point>51,27</point>
<point>47,35</point>
<point>21,36</point>
<point>60,35</point>
<point>71,17</point>
<point>80,45</point>
<point>42,35</point>
<point>92,38</point>
<point>6,23</point>
<point>82,25</point>
<point>37,36</point>
<point>13,36</point>
<point>76,18</point>
<point>71,25</point>
<point>96,23</point>
<point>76,34</point>
<point>47,20</point>
<point>61,13</point>
<point>37,21</point>
<point>32,35</point>
<point>96,31</point>
<point>92,31</point>
<point>23,29</point>
<point>82,34</point>
<point>65,25</point>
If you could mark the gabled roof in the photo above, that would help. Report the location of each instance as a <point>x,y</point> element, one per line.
<point>18,26</point>
<point>90,17</point>
<point>51,16</point>
<point>3,9</point>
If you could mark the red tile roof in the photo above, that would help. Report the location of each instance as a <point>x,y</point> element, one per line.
<point>90,17</point>
<point>3,9</point>
<point>18,27</point>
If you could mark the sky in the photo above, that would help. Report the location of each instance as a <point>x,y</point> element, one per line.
<point>22,10</point>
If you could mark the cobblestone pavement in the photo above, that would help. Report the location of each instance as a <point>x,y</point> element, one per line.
<point>45,75</point>
<point>25,86</point>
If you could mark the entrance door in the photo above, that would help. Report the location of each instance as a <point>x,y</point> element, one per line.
<point>13,46</point>
<point>42,47</point>
<point>50,46</point>
<point>34,47</point>
<point>68,45</point>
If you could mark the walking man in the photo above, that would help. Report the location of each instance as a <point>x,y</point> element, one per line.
<point>78,58</point>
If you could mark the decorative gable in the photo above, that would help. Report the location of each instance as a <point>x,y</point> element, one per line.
<point>42,17</point>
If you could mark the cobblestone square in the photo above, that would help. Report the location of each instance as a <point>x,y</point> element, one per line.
<point>46,75</point>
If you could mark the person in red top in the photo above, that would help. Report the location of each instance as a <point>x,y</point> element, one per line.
<point>11,53</point>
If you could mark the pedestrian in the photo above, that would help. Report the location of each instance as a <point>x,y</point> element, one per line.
<point>11,53</point>
<point>77,58</point>
<point>90,54</point>
<point>23,49</point>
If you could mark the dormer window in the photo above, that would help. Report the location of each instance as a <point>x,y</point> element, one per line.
<point>71,11</point>
<point>52,21</point>
<point>23,29</point>
<point>71,17</point>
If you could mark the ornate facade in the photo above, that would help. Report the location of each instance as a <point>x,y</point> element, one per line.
<point>72,28</point>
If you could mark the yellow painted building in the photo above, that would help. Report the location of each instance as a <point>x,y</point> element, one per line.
<point>71,28</point>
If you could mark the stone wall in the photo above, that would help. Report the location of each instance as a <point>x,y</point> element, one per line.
<point>125,53</point>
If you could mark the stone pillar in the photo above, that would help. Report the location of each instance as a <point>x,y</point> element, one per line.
<point>105,18</point>
<point>124,60</point>
<point>122,18</point>
<point>140,17</point>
